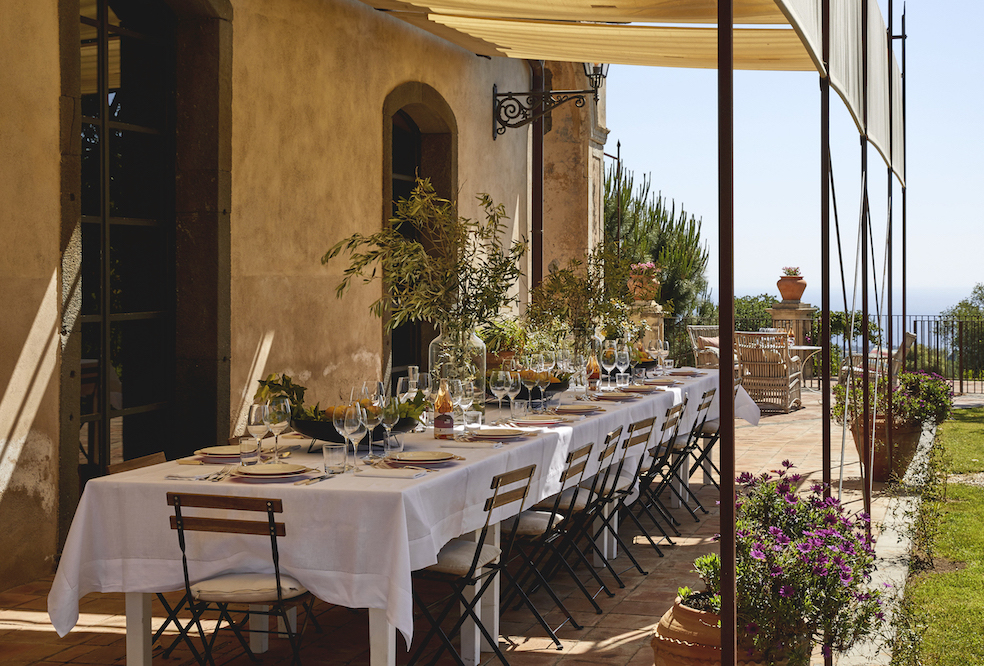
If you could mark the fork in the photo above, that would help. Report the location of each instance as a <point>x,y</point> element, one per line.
<point>218,476</point>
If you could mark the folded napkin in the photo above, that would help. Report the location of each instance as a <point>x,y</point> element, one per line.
<point>477,444</point>
<point>190,476</point>
<point>401,473</point>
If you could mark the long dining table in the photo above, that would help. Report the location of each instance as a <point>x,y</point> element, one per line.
<point>352,539</point>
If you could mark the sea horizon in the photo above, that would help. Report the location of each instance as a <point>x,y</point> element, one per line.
<point>922,302</point>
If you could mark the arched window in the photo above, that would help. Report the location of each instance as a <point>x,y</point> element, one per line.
<point>420,138</point>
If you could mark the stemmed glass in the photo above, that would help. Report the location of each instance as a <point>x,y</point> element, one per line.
<point>528,378</point>
<point>608,361</point>
<point>372,397</point>
<point>542,383</point>
<point>390,410</point>
<point>354,425</point>
<point>663,351</point>
<point>622,360</point>
<point>515,386</point>
<point>424,385</point>
<point>499,385</point>
<point>277,419</point>
<point>256,424</point>
<point>467,394</point>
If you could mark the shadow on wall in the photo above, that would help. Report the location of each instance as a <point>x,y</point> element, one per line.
<point>256,373</point>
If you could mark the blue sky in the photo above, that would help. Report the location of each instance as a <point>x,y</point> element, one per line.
<point>666,120</point>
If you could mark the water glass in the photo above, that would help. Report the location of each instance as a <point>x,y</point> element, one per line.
<point>622,379</point>
<point>249,451</point>
<point>668,364</point>
<point>639,375</point>
<point>518,409</point>
<point>473,420</point>
<point>336,457</point>
<point>393,444</point>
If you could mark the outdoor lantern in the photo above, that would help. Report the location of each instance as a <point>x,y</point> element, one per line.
<point>519,109</point>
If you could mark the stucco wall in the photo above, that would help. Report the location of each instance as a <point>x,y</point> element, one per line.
<point>309,81</point>
<point>29,260</point>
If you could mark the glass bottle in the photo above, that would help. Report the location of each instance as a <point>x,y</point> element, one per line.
<point>443,412</point>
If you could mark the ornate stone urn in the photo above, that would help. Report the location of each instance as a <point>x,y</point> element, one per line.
<point>791,287</point>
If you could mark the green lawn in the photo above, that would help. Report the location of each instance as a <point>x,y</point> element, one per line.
<point>951,602</point>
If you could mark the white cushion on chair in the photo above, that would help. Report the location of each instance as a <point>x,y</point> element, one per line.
<point>457,555</point>
<point>710,427</point>
<point>565,501</point>
<point>531,523</point>
<point>246,588</point>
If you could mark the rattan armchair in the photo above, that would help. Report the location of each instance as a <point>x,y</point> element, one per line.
<point>705,355</point>
<point>772,376</point>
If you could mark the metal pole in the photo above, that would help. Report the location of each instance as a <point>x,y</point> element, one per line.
<point>825,259</point>
<point>889,438</point>
<point>536,187</point>
<point>726,322</point>
<point>865,336</point>
<point>905,295</point>
<point>618,196</point>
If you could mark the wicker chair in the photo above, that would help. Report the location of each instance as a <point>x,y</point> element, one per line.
<point>771,375</point>
<point>705,356</point>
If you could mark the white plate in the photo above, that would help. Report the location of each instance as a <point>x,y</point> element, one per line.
<point>422,456</point>
<point>640,389</point>
<point>660,381</point>
<point>615,395</point>
<point>271,470</point>
<point>496,433</point>
<point>224,451</point>
<point>540,420</point>
<point>577,409</point>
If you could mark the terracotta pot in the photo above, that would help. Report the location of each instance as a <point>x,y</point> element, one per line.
<point>689,637</point>
<point>791,287</point>
<point>905,440</point>
<point>643,288</point>
<point>495,361</point>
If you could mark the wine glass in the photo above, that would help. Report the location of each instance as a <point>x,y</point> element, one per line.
<point>403,389</point>
<point>528,378</point>
<point>455,391</point>
<point>354,425</point>
<point>515,386</point>
<point>372,396</point>
<point>663,351</point>
<point>622,360</point>
<point>499,385</point>
<point>467,394</point>
<point>608,361</point>
<point>256,423</point>
<point>390,412</point>
<point>542,383</point>
<point>277,419</point>
<point>549,360</point>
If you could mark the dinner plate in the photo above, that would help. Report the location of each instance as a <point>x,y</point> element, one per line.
<point>418,457</point>
<point>496,433</point>
<point>579,409</point>
<point>661,381</point>
<point>615,395</point>
<point>686,373</point>
<point>540,420</point>
<point>224,451</point>
<point>639,389</point>
<point>271,470</point>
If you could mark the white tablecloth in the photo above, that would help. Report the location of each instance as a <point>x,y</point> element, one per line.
<point>351,540</point>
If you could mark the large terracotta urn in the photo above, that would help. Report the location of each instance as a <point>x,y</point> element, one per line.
<point>905,441</point>
<point>791,287</point>
<point>643,287</point>
<point>689,637</point>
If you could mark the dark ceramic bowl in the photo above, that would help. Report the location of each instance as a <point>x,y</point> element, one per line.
<point>325,430</point>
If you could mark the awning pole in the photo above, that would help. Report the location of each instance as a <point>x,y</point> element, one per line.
<point>726,321</point>
<point>825,259</point>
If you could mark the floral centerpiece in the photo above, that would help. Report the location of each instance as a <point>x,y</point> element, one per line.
<point>643,281</point>
<point>803,571</point>
<point>920,399</point>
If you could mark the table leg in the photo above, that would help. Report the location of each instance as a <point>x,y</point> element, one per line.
<point>606,541</point>
<point>138,634</point>
<point>382,639</point>
<point>259,640</point>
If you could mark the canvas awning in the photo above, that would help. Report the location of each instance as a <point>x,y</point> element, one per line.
<point>775,35</point>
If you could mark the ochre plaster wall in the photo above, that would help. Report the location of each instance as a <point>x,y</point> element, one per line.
<point>309,81</point>
<point>29,259</point>
<point>573,172</point>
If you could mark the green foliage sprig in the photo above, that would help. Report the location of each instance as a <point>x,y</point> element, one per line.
<point>461,278</point>
<point>919,398</point>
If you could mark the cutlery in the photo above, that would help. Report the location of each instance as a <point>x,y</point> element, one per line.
<point>218,476</point>
<point>316,479</point>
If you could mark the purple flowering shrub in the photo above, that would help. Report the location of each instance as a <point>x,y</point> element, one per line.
<point>920,397</point>
<point>803,568</point>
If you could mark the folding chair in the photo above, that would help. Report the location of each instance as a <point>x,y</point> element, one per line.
<point>709,435</point>
<point>659,460</point>
<point>464,563</point>
<point>537,534</point>
<point>279,592</point>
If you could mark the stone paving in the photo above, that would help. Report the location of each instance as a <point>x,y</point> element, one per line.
<point>618,636</point>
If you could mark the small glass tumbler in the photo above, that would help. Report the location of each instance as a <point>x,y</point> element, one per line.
<point>639,376</point>
<point>668,364</point>
<point>249,451</point>
<point>622,379</point>
<point>336,457</point>
<point>473,420</point>
<point>518,409</point>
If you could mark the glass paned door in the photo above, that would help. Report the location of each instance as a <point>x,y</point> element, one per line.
<point>127,166</point>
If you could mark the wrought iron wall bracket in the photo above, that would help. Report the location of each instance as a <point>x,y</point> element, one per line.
<point>519,109</point>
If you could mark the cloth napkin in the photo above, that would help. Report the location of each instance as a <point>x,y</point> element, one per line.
<point>401,473</point>
<point>197,475</point>
<point>477,444</point>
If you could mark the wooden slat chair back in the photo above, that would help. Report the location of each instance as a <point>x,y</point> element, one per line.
<point>769,372</point>
<point>484,562</point>
<point>279,594</point>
